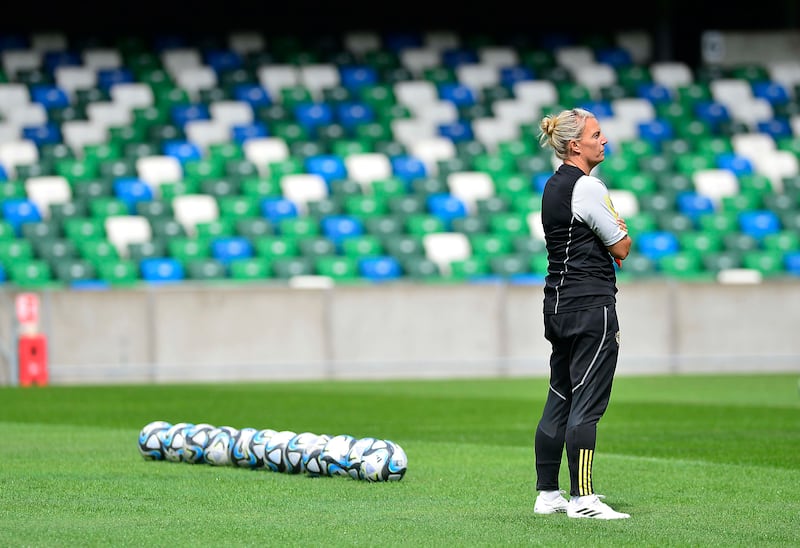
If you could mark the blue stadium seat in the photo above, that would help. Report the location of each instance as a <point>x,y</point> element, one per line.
<point>461,95</point>
<point>655,93</point>
<point>180,114</point>
<point>400,40</point>
<point>353,114</point>
<point>184,151</point>
<point>228,249</point>
<point>242,133</point>
<point>511,75</point>
<point>131,191</point>
<point>54,59</point>
<point>276,209</point>
<point>111,76</point>
<point>408,168</point>
<point>457,132</point>
<point>380,269</point>
<point>655,245</point>
<point>614,56</point>
<point>777,128</point>
<point>339,227</point>
<point>313,115</point>
<point>50,96</point>
<point>540,180</point>
<point>774,92</point>
<point>447,207</point>
<point>738,164</point>
<point>712,113</point>
<point>693,204</point>
<point>792,262</point>
<point>18,211</point>
<point>254,94</point>
<point>161,270</point>
<point>601,109</point>
<point>759,223</point>
<point>223,60</point>
<point>355,77</point>
<point>45,134</point>
<point>455,57</point>
<point>656,131</point>
<point>328,166</point>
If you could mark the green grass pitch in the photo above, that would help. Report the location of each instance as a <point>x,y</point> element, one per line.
<point>709,460</point>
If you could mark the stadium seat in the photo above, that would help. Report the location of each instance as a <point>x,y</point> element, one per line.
<point>191,209</point>
<point>445,247</point>
<point>123,230</point>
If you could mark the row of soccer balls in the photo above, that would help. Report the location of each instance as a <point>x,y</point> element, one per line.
<point>370,459</point>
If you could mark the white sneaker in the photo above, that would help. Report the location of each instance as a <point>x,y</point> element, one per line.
<point>550,502</point>
<point>591,506</point>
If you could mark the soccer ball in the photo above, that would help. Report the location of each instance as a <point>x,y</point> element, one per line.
<point>149,443</point>
<point>334,455</point>
<point>195,442</point>
<point>258,444</point>
<point>172,441</point>
<point>218,450</point>
<point>241,455</point>
<point>311,454</point>
<point>385,460</point>
<point>293,452</point>
<point>354,456</point>
<point>273,450</point>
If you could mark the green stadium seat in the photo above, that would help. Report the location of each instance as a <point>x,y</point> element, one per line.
<point>138,251</point>
<point>469,268</point>
<point>16,250</point>
<point>685,264</point>
<point>401,246</point>
<point>491,244</point>
<point>316,246</point>
<point>117,272</point>
<point>767,261</point>
<point>250,269</point>
<point>511,264</point>
<point>30,273</point>
<point>340,269</point>
<point>205,269</point>
<point>470,224</point>
<point>365,245</point>
<point>722,260</point>
<point>274,246</point>
<point>186,249</point>
<point>71,270</point>
<point>288,267</point>
<point>419,268</point>
<point>54,250</point>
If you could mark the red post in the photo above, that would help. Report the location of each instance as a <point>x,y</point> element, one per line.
<point>31,345</point>
<point>32,357</point>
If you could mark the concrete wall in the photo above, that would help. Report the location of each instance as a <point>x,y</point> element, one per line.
<point>262,332</point>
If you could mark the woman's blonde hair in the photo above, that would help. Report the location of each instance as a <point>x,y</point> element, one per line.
<point>557,130</point>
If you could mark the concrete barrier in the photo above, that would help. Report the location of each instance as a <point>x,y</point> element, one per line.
<point>201,333</point>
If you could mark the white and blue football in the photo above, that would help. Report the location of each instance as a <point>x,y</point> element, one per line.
<point>311,454</point>
<point>218,450</point>
<point>172,441</point>
<point>274,450</point>
<point>196,442</point>
<point>258,444</point>
<point>385,460</point>
<point>293,452</point>
<point>149,442</point>
<point>354,456</point>
<point>240,453</point>
<point>333,458</point>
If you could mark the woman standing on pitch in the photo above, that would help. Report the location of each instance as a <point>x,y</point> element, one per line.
<point>584,237</point>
